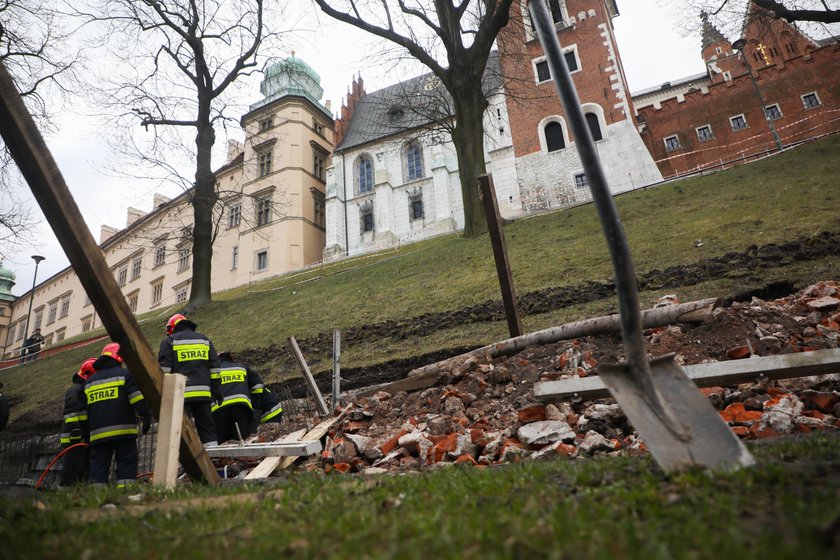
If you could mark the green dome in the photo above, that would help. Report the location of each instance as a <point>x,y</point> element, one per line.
<point>7,280</point>
<point>292,65</point>
<point>290,76</point>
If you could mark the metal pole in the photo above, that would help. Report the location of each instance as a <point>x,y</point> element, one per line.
<point>336,385</point>
<point>23,351</point>
<point>739,46</point>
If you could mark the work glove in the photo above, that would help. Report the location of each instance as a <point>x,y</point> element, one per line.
<point>147,424</point>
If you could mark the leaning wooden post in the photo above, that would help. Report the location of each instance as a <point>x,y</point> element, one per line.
<point>169,430</point>
<point>47,184</point>
<point>487,193</point>
<point>320,403</point>
<point>336,385</point>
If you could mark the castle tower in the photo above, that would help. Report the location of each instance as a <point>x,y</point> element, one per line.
<point>7,281</point>
<point>548,168</point>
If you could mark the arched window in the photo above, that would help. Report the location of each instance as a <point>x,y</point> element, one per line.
<point>413,162</point>
<point>594,126</point>
<point>365,175</point>
<point>554,137</point>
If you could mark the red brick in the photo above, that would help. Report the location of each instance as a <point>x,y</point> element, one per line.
<point>391,443</point>
<point>823,401</point>
<point>741,431</point>
<point>731,412</point>
<point>468,459</point>
<point>757,432</point>
<point>533,413</point>
<point>739,352</point>
<point>710,391</point>
<point>342,467</point>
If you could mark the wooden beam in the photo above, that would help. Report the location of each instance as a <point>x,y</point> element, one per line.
<point>48,187</point>
<point>315,434</point>
<point>268,449</point>
<point>267,465</point>
<point>411,383</point>
<point>169,430</point>
<point>732,372</point>
<point>320,403</point>
<point>487,194</point>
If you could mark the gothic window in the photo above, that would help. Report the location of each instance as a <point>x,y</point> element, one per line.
<point>364,174</point>
<point>414,162</point>
<point>594,126</point>
<point>738,122</point>
<point>554,139</point>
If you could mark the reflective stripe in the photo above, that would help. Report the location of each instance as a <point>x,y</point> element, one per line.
<point>125,482</point>
<point>233,399</point>
<point>214,370</point>
<point>166,369</point>
<point>75,417</point>
<point>272,413</point>
<point>103,383</point>
<point>65,438</point>
<point>215,376</point>
<point>190,341</point>
<point>257,389</point>
<point>198,391</point>
<point>111,431</point>
<point>135,397</point>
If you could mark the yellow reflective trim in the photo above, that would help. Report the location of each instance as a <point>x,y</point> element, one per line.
<point>99,394</point>
<point>136,399</point>
<point>125,432</point>
<point>257,391</point>
<point>188,394</point>
<point>105,385</point>
<point>237,400</point>
<point>65,440</point>
<point>271,415</point>
<point>215,375</point>
<point>79,418</point>
<point>235,376</point>
<point>191,352</point>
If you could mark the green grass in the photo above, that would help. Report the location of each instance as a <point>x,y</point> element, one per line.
<point>775,200</point>
<point>599,508</point>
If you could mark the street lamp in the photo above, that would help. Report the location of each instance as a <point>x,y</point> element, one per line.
<point>739,46</point>
<point>37,259</point>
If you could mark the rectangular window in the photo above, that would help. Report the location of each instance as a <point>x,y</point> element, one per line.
<point>263,210</point>
<point>672,143</point>
<point>319,167</point>
<point>132,302</point>
<point>157,293</point>
<point>59,335</point>
<point>65,308</point>
<point>543,73</point>
<point>264,163</point>
<point>265,124</point>
<point>318,127</point>
<point>52,313</point>
<point>318,209</point>
<point>727,76</point>
<point>704,133</point>
<point>136,268</point>
<point>810,100</point>
<point>122,275</point>
<point>183,259</point>
<point>367,220</point>
<point>738,122</point>
<point>181,294</point>
<point>160,255</point>
<point>10,336</point>
<point>39,317</point>
<point>48,340</point>
<point>581,181</point>
<point>571,60</point>
<point>773,112</point>
<point>262,261</point>
<point>87,324</point>
<point>234,215</point>
<point>416,208</point>
<point>234,261</point>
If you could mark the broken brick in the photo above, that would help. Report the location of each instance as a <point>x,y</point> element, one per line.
<point>341,467</point>
<point>466,459</point>
<point>823,401</point>
<point>391,443</point>
<point>533,413</point>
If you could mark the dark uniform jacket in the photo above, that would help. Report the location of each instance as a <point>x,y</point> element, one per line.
<point>113,402</point>
<point>76,428</point>
<point>242,385</point>
<point>192,354</point>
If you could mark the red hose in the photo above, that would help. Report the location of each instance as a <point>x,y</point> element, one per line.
<point>56,458</point>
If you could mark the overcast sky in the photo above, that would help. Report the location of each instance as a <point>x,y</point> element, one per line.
<point>651,44</point>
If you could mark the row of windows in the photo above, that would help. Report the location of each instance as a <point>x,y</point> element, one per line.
<point>415,212</point>
<point>412,163</point>
<point>555,137</point>
<point>265,163</point>
<point>739,122</point>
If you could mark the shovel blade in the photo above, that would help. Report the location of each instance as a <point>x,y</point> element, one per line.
<point>711,443</point>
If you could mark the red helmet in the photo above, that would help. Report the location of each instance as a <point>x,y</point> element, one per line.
<point>174,320</point>
<point>112,350</point>
<point>86,369</point>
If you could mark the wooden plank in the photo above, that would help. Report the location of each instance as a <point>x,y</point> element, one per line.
<point>487,194</point>
<point>411,383</point>
<point>336,385</point>
<point>48,187</point>
<point>320,403</point>
<point>169,430</point>
<point>656,317</point>
<point>315,434</point>
<point>268,449</point>
<point>267,465</point>
<point>732,372</point>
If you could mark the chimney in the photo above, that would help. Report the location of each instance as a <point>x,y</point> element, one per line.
<point>159,200</point>
<point>133,215</point>
<point>234,148</point>
<point>106,233</point>
<point>328,105</point>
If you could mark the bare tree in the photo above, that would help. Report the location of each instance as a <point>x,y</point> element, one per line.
<point>798,10</point>
<point>178,62</point>
<point>728,15</point>
<point>34,47</point>
<point>454,40</point>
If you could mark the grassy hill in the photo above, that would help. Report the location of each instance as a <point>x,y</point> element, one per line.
<point>449,284</point>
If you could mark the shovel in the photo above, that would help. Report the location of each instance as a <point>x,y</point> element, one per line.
<point>679,425</point>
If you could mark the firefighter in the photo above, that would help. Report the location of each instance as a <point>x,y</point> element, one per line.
<point>76,430</point>
<point>113,402</point>
<point>192,354</point>
<point>243,399</point>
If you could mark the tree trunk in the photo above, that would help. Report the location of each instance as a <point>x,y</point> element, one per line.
<point>468,137</point>
<point>204,199</point>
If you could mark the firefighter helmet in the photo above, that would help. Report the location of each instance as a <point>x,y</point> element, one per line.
<point>86,369</point>
<point>174,320</point>
<point>112,350</point>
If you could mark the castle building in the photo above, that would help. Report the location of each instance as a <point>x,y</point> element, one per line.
<point>782,88</point>
<point>271,219</point>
